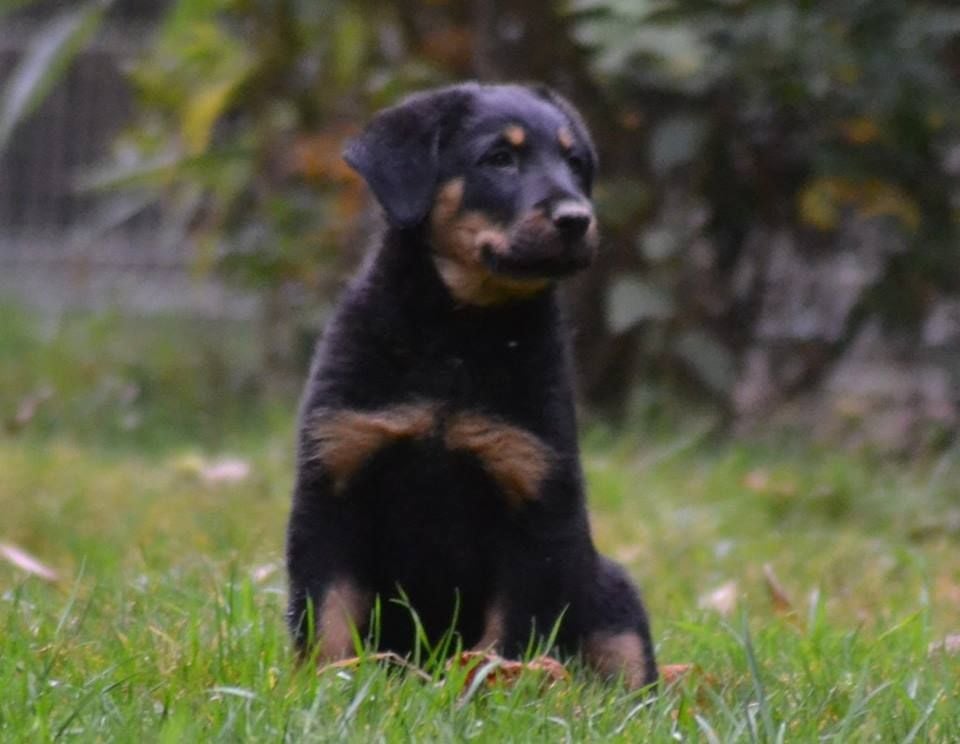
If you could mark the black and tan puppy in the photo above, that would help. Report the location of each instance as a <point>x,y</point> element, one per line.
<point>438,455</point>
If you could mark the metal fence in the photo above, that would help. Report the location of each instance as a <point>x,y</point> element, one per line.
<point>51,253</point>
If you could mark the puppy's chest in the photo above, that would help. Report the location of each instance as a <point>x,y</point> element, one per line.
<point>431,435</point>
<point>499,375</point>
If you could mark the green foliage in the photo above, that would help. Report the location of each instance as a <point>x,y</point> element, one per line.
<point>243,110</point>
<point>776,175</point>
<point>140,384</point>
<point>807,117</point>
<point>47,58</point>
<point>167,622</point>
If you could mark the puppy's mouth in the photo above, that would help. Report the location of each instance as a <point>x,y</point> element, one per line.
<point>533,248</point>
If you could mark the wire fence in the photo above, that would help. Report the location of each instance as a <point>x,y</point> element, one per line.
<point>52,253</point>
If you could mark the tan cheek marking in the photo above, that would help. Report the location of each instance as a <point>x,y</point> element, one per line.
<point>515,135</point>
<point>618,655</point>
<point>448,201</point>
<point>565,138</point>
<point>344,440</point>
<point>493,239</point>
<point>344,608</point>
<point>516,459</point>
<point>458,240</point>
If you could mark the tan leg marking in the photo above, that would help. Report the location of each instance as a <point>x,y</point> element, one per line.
<point>344,440</point>
<point>344,608</point>
<point>493,626</point>
<point>459,240</point>
<point>516,459</point>
<point>617,655</point>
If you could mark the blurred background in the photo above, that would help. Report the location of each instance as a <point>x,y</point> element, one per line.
<point>779,195</point>
<point>768,352</point>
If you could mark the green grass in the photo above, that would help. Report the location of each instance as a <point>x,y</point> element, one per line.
<point>167,623</point>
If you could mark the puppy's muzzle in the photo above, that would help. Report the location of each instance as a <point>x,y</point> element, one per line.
<point>547,242</point>
<point>572,219</point>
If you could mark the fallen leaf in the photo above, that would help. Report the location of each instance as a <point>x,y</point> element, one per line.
<point>761,482</point>
<point>949,645</point>
<point>28,407</point>
<point>630,553</point>
<point>226,470</point>
<point>264,572</point>
<point>723,599</point>
<point>778,595</point>
<point>388,657</point>
<point>757,480</point>
<point>500,671</point>
<point>670,673</point>
<point>26,562</point>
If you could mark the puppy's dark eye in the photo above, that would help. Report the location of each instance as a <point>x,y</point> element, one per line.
<point>577,164</point>
<point>500,159</point>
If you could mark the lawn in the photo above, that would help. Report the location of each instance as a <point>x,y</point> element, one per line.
<point>807,588</point>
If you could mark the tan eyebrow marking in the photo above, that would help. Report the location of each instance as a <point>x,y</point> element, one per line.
<point>515,135</point>
<point>565,138</point>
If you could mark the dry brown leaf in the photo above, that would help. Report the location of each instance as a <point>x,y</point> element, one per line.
<point>949,645</point>
<point>757,480</point>
<point>947,590</point>
<point>226,470</point>
<point>723,599</point>
<point>26,562</point>
<point>388,657</point>
<point>506,672</point>
<point>27,409</point>
<point>761,482</point>
<point>670,673</point>
<point>264,572</point>
<point>778,596</point>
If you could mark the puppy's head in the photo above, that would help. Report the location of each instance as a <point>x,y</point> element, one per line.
<point>500,177</point>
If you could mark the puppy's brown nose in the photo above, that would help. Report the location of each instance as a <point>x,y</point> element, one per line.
<point>572,219</point>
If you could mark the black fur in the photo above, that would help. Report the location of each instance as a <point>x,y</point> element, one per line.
<point>417,516</point>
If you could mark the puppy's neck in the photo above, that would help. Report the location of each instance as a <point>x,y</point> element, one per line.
<point>407,266</point>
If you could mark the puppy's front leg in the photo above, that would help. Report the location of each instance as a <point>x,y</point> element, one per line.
<point>329,595</point>
<point>616,635</point>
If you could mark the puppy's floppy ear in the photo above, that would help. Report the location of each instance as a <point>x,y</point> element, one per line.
<point>398,153</point>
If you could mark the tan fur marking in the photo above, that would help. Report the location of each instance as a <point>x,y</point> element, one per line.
<point>448,201</point>
<point>515,135</point>
<point>458,241</point>
<point>617,655</point>
<point>565,138</point>
<point>516,459</point>
<point>344,608</point>
<point>344,440</point>
<point>493,625</point>
<point>495,240</point>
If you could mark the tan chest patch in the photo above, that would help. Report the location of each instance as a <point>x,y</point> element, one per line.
<point>516,459</point>
<point>344,440</point>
